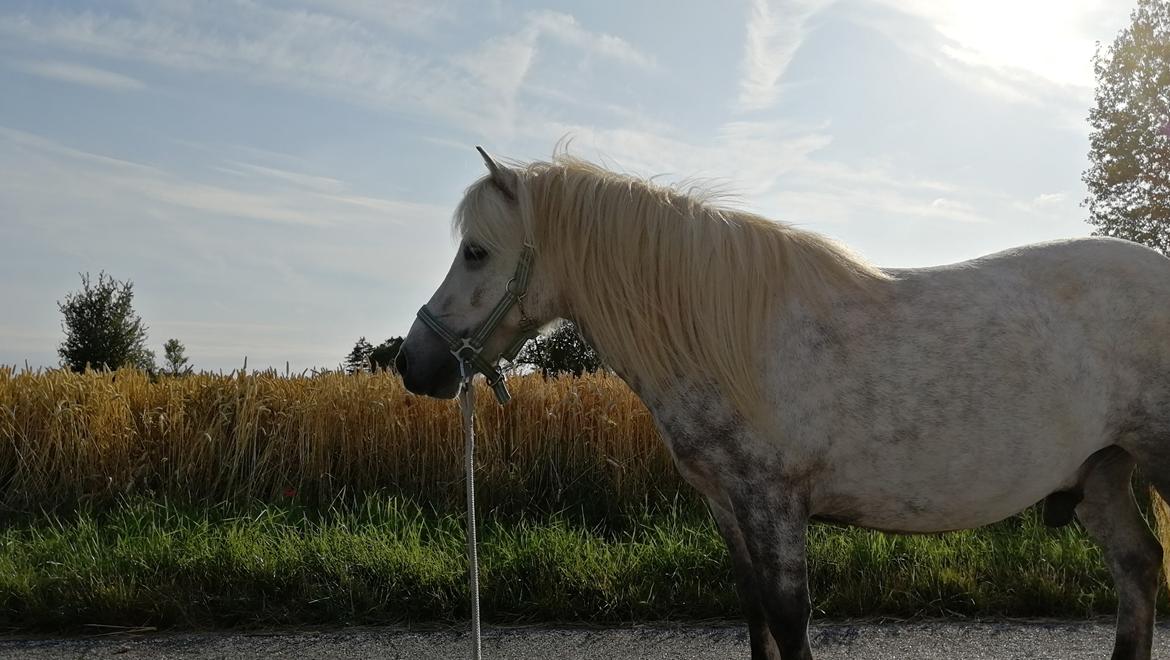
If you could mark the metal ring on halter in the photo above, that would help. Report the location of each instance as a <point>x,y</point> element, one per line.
<point>466,343</point>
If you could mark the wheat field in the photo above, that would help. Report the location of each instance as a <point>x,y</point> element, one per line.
<point>68,438</point>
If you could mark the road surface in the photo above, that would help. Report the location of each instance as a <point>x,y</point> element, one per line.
<point>902,641</point>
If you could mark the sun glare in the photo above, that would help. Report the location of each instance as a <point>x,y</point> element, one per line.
<point>1046,38</point>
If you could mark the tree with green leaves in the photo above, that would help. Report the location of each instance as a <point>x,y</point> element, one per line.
<point>562,351</point>
<point>1129,176</point>
<point>382,357</point>
<point>102,331</point>
<point>359,358</point>
<point>175,358</point>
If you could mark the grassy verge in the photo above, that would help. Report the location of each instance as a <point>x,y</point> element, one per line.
<point>144,562</point>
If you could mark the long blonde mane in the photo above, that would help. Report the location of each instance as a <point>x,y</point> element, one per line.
<point>663,283</point>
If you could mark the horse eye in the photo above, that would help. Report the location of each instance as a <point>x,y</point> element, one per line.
<point>473,252</point>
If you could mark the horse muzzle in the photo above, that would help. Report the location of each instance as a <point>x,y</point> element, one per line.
<point>433,373</point>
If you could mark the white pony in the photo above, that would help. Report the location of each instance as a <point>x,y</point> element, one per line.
<point>792,381</point>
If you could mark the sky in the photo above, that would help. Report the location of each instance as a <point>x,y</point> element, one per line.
<point>277,178</point>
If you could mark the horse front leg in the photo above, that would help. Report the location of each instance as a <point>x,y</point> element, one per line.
<point>746,582</point>
<point>775,530</point>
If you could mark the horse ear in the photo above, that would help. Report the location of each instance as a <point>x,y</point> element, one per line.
<point>503,178</point>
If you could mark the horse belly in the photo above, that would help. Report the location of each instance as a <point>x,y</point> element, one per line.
<point>925,491</point>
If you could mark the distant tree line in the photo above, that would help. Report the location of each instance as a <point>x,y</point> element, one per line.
<point>366,357</point>
<point>563,351</point>
<point>102,331</point>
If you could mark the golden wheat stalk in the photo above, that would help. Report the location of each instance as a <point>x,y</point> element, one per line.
<point>67,438</point>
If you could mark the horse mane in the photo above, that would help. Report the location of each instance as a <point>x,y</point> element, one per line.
<point>663,282</point>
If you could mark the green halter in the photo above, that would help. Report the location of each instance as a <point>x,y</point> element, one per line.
<point>469,350</point>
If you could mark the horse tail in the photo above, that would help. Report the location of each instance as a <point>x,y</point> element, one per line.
<point>1162,529</point>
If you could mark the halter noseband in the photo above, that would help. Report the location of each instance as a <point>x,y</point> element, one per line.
<point>469,350</point>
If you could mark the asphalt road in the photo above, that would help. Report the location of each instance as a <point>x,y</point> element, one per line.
<point>916,641</point>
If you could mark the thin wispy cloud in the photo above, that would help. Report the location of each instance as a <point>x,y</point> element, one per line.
<point>80,74</point>
<point>312,51</point>
<point>308,181</point>
<point>775,31</point>
<point>1044,203</point>
<point>309,200</point>
<point>566,28</point>
<point>409,16</point>
<point>37,143</point>
<point>331,54</point>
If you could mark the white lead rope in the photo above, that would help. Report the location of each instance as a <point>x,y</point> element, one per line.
<point>467,404</point>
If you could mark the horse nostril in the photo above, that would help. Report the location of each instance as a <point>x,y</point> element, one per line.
<point>401,363</point>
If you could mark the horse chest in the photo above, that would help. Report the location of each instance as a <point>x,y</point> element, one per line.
<point>711,446</point>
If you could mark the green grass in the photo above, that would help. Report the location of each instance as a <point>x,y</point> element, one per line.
<point>376,560</point>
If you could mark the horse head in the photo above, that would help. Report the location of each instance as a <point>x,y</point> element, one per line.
<point>489,304</point>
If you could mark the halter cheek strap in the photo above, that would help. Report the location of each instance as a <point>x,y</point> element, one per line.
<point>469,350</point>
